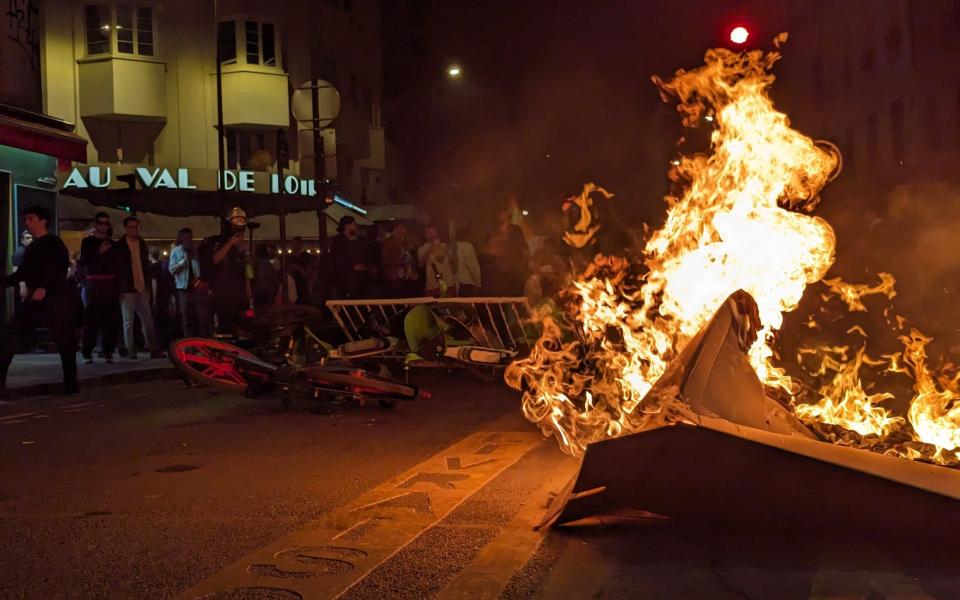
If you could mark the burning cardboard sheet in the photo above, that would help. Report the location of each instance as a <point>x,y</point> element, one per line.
<point>737,456</point>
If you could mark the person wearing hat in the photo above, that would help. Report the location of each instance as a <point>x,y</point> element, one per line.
<point>223,268</point>
<point>351,258</point>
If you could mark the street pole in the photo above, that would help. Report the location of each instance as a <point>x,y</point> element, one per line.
<point>319,168</point>
<point>285,293</point>
<point>220,136</point>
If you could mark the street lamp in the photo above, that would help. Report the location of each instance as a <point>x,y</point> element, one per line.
<point>454,71</point>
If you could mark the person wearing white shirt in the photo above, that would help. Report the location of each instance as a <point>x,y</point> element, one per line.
<point>433,256</point>
<point>467,269</point>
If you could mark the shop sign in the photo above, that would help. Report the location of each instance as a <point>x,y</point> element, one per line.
<point>155,178</point>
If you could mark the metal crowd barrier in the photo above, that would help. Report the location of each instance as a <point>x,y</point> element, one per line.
<point>503,320</point>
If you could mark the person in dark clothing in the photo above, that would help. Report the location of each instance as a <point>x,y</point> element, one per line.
<point>505,259</point>
<point>50,300</point>
<point>352,260</point>
<point>266,278</point>
<point>301,268</point>
<point>164,308</point>
<point>222,265</point>
<point>398,263</point>
<point>101,294</point>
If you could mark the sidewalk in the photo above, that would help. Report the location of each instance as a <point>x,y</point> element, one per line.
<point>39,374</point>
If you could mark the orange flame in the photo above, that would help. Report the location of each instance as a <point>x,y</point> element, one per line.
<point>738,225</point>
<point>728,231</point>
<point>934,411</point>
<point>852,294</point>
<point>843,400</point>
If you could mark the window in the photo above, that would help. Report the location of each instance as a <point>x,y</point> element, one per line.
<point>227,42</point>
<point>251,36</point>
<point>251,149</point>
<point>145,30</point>
<point>120,28</point>
<point>269,45</point>
<point>98,29</point>
<point>898,131</point>
<point>254,42</point>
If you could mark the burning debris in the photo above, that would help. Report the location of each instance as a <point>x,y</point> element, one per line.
<point>740,230</point>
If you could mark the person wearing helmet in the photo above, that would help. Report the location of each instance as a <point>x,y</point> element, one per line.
<point>222,266</point>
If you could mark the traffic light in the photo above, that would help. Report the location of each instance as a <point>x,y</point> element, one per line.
<point>739,34</point>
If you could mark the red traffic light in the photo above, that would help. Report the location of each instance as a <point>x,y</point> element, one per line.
<point>739,35</point>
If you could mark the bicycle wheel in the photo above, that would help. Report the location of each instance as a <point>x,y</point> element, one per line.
<point>211,362</point>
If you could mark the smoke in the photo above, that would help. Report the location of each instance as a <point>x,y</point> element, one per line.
<point>913,235</point>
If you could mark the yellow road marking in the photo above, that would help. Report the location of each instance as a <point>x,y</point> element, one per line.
<point>330,555</point>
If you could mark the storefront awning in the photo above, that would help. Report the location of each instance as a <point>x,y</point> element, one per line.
<point>80,212</point>
<point>396,212</point>
<point>181,203</point>
<point>40,138</point>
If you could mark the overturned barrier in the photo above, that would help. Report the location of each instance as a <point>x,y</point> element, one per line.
<point>502,320</point>
<point>740,458</point>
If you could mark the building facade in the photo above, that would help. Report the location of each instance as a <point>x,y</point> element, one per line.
<point>139,80</point>
<point>879,79</point>
<point>32,145</point>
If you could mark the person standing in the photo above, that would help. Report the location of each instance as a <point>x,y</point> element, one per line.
<point>433,257</point>
<point>192,293</point>
<point>133,276</point>
<point>101,295</point>
<point>466,267</point>
<point>396,261</point>
<point>163,287</point>
<point>352,260</point>
<point>300,266</point>
<point>266,279</point>
<point>505,258</point>
<point>49,299</point>
<point>223,266</point>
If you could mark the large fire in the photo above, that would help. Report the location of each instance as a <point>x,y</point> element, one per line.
<point>741,223</point>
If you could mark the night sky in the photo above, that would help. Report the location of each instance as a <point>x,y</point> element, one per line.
<point>553,94</point>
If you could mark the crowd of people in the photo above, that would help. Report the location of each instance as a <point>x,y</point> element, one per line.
<point>129,300</point>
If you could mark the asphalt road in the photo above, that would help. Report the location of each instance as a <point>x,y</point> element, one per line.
<point>153,491</point>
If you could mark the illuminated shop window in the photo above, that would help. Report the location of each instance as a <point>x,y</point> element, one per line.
<point>120,28</point>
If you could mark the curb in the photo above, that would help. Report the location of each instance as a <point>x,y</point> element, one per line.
<point>54,387</point>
